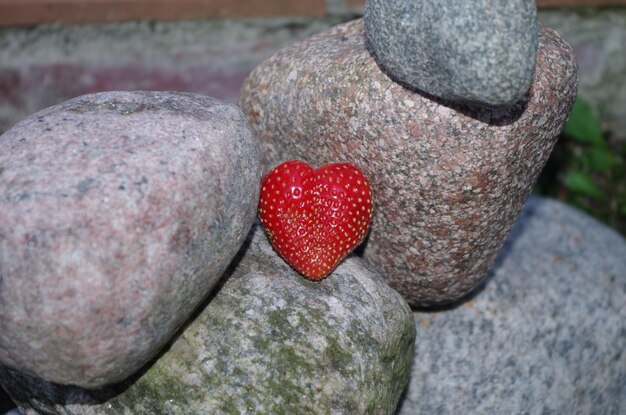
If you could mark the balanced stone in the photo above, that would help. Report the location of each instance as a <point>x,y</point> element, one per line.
<point>448,181</point>
<point>470,51</point>
<point>547,334</point>
<point>269,342</point>
<point>119,212</point>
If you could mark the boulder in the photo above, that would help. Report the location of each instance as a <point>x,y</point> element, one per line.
<point>120,211</point>
<point>269,341</point>
<point>448,180</point>
<point>547,333</point>
<point>479,51</point>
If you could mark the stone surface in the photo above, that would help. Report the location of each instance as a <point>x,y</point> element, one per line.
<point>119,212</point>
<point>469,51</point>
<point>268,342</point>
<point>448,181</point>
<point>547,334</point>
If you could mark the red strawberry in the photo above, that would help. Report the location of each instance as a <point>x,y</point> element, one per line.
<point>315,217</point>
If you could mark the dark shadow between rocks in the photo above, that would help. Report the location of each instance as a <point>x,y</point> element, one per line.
<point>403,396</point>
<point>359,251</point>
<point>23,386</point>
<point>6,404</point>
<point>458,303</point>
<point>498,116</point>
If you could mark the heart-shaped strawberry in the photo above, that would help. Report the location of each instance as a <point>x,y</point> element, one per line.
<point>315,217</point>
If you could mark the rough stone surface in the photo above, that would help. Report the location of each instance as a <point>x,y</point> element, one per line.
<point>448,181</point>
<point>118,214</point>
<point>470,51</point>
<point>547,334</point>
<point>269,342</point>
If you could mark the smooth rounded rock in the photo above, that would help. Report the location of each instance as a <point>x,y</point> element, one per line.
<point>547,334</point>
<point>479,52</point>
<point>448,181</point>
<point>269,342</point>
<point>119,212</point>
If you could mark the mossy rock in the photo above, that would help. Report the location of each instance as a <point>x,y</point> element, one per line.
<point>269,341</point>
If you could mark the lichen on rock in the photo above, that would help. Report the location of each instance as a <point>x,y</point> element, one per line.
<point>269,341</point>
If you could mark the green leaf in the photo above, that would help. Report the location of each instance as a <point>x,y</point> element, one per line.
<point>580,182</point>
<point>583,125</point>
<point>599,159</point>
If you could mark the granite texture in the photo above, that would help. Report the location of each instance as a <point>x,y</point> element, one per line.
<point>269,342</point>
<point>547,333</point>
<point>479,51</point>
<point>118,214</point>
<point>448,180</point>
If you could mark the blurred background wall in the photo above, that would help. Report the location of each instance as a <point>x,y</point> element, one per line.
<point>52,50</point>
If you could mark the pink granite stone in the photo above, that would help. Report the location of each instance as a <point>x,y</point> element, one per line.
<point>448,179</point>
<point>119,212</point>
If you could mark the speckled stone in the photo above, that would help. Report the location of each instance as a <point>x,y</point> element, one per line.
<point>269,342</point>
<point>118,214</point>
<point>479,51</point>
<point>547,334</point>
<point>448,181</point>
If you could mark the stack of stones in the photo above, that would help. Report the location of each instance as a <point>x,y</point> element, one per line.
<point>452,150</point>
<point>133,279</point>
<point>120,213</point>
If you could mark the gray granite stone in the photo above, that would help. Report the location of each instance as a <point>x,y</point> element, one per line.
<point>479,51</point>
<point>448,181</point>
<point>269,342</point>
<point>118,214</point>
<point>546,335</point>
